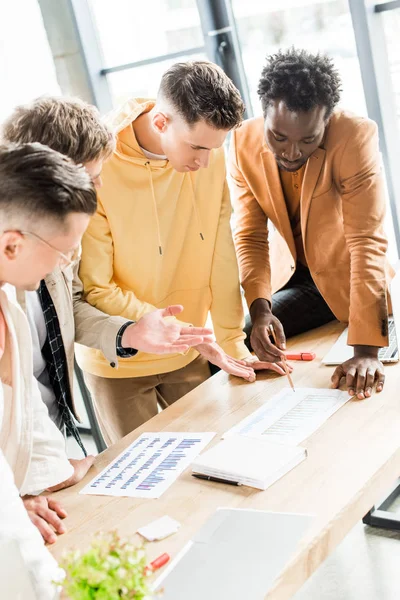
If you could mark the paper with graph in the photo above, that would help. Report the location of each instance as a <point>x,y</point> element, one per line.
<point>291,417</point>
<point>149,465</point>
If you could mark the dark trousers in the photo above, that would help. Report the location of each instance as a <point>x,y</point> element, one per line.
<point>298,305</point>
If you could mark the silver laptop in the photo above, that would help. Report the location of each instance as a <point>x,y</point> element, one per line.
<point>340,351</point>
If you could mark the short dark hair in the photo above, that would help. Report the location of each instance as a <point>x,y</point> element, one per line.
<point>201,91</point>
<point>301,80</point>
<point>68,125</point>
<point>39,184</point>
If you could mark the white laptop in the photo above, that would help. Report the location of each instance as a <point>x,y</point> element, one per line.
<point>340,351</point>
<point>236,555</point>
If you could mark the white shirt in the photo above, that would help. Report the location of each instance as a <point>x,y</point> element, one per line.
<point>29,440</point>
<point>152,156</point>
<point>15,525</point>
<point>39,336</point>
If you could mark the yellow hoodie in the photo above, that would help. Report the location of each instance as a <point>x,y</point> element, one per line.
<point>160,237</point>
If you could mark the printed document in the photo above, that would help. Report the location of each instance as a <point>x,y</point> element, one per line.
<point>149,465</point>
<point>290,417</point>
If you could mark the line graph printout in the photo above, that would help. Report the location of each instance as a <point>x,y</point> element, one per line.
<point>149,465</point>
<point>291,417</point>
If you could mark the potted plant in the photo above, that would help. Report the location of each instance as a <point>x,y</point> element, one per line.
<point>110,569</point>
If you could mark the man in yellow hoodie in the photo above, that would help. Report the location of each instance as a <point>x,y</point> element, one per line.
<point>161,235</point>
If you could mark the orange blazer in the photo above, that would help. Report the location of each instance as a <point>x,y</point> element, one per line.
<point>342,214</point>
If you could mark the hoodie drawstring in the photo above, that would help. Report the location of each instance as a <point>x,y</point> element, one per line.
<point>155,207</point>
<point>196,212</point>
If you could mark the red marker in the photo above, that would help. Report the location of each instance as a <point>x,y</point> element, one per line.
<point>300,356</point>
<point>159,562</point>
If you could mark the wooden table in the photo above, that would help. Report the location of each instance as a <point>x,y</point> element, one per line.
<point>352,460</point>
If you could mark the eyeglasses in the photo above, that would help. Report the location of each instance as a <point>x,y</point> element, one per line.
<point>66,262</point>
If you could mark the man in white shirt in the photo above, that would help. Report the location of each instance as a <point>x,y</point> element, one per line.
<point>45,205</point>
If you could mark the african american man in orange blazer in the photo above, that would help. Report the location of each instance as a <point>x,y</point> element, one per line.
<point>310,204</point>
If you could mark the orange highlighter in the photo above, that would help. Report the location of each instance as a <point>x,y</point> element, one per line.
<point>300,355</point>
<point>159,562</point>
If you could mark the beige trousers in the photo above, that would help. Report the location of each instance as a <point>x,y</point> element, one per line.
<point>121,405</point>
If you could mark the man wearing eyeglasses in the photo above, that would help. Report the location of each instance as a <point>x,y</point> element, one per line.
<point>45,205</point>
<point>72,128</point>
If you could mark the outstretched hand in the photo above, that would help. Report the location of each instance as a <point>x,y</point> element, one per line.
<point>215,355</point>
<point>155,334</point>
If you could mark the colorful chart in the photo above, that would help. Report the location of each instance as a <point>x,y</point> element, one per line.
<point>149,465</point>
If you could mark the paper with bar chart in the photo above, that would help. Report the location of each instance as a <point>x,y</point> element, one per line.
<point>149,465</point>
<point>291,417</point>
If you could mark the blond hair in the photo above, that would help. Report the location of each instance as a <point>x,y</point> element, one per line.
<point>68,125</point>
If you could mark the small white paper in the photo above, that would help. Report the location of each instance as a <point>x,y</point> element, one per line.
<point>149,465</point>
<point>159,529</point>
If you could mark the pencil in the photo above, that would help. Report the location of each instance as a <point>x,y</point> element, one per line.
<point>271,327</point>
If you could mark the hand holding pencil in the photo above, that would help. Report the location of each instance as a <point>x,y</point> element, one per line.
<point>261,343</point>
<point>271,328</point>
<point>264,325</point>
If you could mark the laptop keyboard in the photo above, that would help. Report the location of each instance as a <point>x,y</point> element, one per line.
<point>391,350</point>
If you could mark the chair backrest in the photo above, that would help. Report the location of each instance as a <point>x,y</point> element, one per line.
<point>15,581</point>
